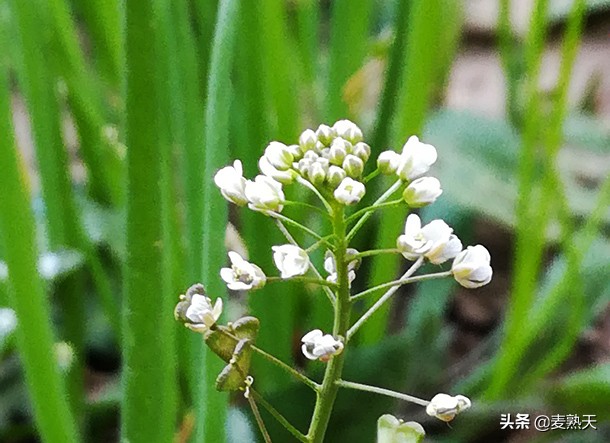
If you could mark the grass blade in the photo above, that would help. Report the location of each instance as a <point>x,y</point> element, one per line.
<point>211,407</point>
<point>349,32</point>
<point>34,334</point>
<point>425,26</point>
<point>148,394</point>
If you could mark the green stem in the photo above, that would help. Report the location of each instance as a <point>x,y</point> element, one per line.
<point>400,282</point>
<point>387,194</point>
<point>308,206</point>
<point>371,176</point>
<point>329,388</point>
<point>259,419</point>
<point>296,224</point>
<point>290,238</point>
<point>374,207</point>
<point>316,281</point>
<point>279,417</point>
<point>317,244</point>
<point>313,189</point>
<point>382,391</point>
<point>377,252</point>
<point>383,299</point>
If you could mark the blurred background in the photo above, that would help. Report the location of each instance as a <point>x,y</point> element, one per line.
<point>116,114</point>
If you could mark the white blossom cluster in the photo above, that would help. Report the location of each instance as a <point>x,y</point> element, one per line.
<point>330,158</point>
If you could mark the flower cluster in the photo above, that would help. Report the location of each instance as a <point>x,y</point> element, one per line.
<point>331,162</point>
<point>332,159</point>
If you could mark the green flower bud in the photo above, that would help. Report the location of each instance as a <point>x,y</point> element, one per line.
<point>354,166</point>
<point>393,430</point>
<point>308,140</point>
<point>316,174</point>
<point>325,134</point>
<point>335,175</point>
<point>362,150</point>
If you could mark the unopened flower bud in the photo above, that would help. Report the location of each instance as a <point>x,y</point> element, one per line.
<point>316,173</point>
<point>325,134</point>
<point>338,151</point>
<point>296,152</point>
<point>279,155</point>
<point>311,155</point>
<point>445,407</point>
<point>348,130</point>
<point>471,268</point>
<point>354,166</point>
<point>349,191</point>
<point>319,147</point>
<point>388,161</point>
<point>307,140</point>
<point>362,150</point>
<point>335,175</point>
<point>303,165</point>
<point>422,192</point>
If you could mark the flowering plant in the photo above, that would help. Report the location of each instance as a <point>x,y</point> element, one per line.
<point>331,163</point>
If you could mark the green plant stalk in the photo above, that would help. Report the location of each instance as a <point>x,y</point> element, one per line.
<point>509,49</point>
<point>146,397</point>
<point>383,391</point>
<point>34,330</point>
<point>328,391</point>
<point>211,406</point>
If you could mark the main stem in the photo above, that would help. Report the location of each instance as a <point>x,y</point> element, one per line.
<point>328,391</point>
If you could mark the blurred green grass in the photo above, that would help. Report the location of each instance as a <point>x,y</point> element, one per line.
<point>190,85</point>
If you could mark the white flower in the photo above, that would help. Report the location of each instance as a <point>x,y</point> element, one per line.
<point>393,430</point>
<point>353,165</point>
<point>232,184</point>
<point>290,260</point>
<point>316,345</point>
<point>435,240</point>
<point>285,177</point>
<point>444,248</point>
<point>242,275</point>
<point>196,311</point>
<point>8,322</point>
<point>348,130</point>
<point>279,155</point>
<point>471,268</point>
<point>388,162</point>
<point>264,194</point>
<point>416,159</point>
<point>422,192</point>
<point>349,191</point>
<point>445,407</point>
